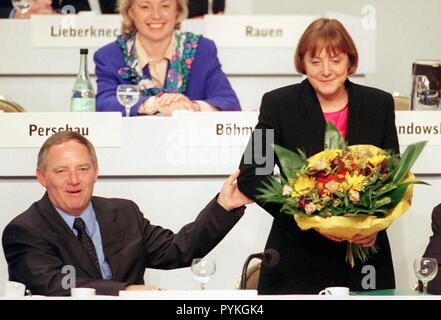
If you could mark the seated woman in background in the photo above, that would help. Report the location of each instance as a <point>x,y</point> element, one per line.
<point>174,70</point>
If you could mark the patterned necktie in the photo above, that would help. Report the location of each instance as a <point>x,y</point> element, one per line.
<point>86,242</point>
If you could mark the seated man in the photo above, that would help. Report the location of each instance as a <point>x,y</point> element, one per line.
<point>107,242</point>
<point>433,250</point>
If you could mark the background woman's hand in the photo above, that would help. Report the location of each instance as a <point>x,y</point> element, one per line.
<point>169,98</point>
<point>169,102</point>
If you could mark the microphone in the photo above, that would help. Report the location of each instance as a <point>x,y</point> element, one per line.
<point>269,257</point>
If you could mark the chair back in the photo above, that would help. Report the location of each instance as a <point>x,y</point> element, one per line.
<point>253,273</point>
<point>10,106</point>
<point>402,103</point>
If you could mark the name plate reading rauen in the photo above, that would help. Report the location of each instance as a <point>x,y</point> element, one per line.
<point>30,130</point>
<point>75,31</point>
<point>414,126</point>
<point>256,31</point>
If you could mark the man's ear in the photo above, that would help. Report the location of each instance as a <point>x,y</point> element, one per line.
<point>40,177</point>
<point>96,171</point>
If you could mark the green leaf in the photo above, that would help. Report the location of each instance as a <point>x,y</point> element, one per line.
<point>333,138</point>
<point>290,162</point>
<point>397,194</point>
<point>382,202</point>
<point>384,189</point>
<point>271,191</point>
<point>407,161</point>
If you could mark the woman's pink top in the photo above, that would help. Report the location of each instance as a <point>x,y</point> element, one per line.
<point>339,119</point>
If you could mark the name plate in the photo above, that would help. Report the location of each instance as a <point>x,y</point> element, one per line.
<point>213,129</point>
<point>415,126</point>
<point>30,130</point>
<point>84,30</point>
<point>256,31</point>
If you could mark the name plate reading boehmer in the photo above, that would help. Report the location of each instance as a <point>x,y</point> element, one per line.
<point>30,130</point>
<point>213,129</point>
<point>84,30</point>
<point>256,31</point>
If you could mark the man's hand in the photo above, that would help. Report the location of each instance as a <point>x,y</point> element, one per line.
<point>230,197</point>
<point>141,287</point>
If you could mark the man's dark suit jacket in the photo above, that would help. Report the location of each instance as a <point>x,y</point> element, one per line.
<point>309,262</point>
<point>433,250</point>
<point>38,243</point>
<point>107,6</point>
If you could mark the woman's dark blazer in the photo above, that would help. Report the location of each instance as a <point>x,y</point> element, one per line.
<point>310,262</point>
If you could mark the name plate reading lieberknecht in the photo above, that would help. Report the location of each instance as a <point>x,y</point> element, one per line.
<point>75,31</point>
<point>266,31</point>
<point>30,130</point>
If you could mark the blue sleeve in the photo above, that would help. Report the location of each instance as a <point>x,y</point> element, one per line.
<point>107,62</point>
<point>217,89</point>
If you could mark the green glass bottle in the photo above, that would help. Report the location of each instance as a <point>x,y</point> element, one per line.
<point>83,95</point>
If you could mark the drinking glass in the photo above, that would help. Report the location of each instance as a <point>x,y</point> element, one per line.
<point>425,270</point>
<point>22,6</point>
<point>128,96</point>
<point>203,270</point>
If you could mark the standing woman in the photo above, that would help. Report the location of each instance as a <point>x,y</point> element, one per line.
<point>175,70</point>
<point>297,114</point>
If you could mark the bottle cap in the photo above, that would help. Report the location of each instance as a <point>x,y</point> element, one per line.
<point>84,51</point>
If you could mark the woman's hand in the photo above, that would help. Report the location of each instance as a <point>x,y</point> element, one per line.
<point>169,102</point>
<point>169,98</point>
<point>365,241</point>
<point>330,237</point>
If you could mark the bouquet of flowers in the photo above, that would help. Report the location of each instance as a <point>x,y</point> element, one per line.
<point>344,191</point>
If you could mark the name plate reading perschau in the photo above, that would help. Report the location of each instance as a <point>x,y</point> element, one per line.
<point>415,126</point>
<point>75,31</point>
<point>30,130</point>
<point>256,31</point>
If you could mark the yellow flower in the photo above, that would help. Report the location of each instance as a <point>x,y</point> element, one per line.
<point>322,160</point>
<point>303,185</point>
<point>377,159</point>
<point>357,182</point>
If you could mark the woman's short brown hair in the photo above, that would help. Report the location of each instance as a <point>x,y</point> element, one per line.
<point>328,34</point>
<point>128,25</point>
<point>62,137</point>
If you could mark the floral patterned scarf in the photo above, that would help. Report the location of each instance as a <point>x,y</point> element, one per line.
<point>178,71</point>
